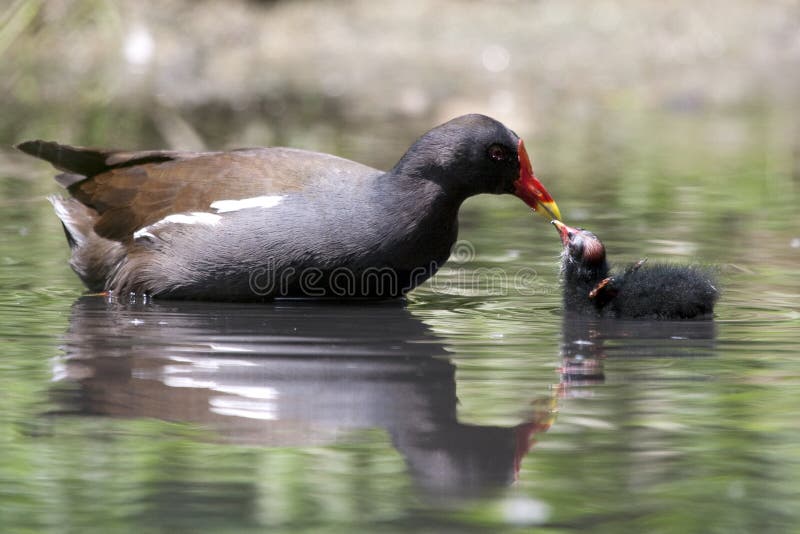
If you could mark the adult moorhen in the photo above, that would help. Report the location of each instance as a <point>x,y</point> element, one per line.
<point>255,224</point>
<point>658,291</point>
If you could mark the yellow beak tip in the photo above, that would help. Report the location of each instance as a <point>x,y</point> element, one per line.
<point>549,210</point>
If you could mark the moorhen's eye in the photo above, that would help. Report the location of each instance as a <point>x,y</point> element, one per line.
<point>498,153</point>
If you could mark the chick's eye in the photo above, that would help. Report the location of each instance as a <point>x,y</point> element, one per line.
<point>498,153</point>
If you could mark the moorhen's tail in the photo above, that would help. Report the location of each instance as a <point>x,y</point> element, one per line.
<point>76,219</point>
<point>79,163</point>
<point>93,258</point>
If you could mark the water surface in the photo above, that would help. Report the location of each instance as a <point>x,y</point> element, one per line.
<point>476,405</point>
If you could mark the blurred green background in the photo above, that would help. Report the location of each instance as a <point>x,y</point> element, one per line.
<point>670,129</point>
<point>637,106</point>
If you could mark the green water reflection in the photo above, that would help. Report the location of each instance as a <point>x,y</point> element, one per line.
<point>474,407</point>
<point>415,420</point>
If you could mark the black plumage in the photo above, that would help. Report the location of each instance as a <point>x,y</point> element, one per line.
<point>641,290</point>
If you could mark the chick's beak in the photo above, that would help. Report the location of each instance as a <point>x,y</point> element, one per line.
<point>531,190</point>
<point>563,231</point>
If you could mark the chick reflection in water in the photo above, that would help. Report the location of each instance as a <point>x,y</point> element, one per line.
<point>291,375</point>
<point>587,343</point>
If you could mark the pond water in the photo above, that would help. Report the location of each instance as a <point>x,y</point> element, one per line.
<point>476,405</point>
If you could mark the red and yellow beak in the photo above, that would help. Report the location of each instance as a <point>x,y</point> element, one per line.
<point>531,190</point>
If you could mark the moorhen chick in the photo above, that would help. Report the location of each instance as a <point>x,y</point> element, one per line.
<point>260,223</point>
<point>639,291</point>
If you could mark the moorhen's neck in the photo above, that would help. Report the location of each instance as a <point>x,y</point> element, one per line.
<point>403,192</point>
<point>430,167</point>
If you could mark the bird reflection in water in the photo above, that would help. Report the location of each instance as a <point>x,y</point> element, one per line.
<point>291,374</point>
<point>302,374</point>
<point>588,341</point>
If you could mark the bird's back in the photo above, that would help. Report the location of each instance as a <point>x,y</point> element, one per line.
<point>664,291</point>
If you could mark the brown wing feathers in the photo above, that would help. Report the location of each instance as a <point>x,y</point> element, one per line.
<point>119,186</point>
<point>131,190</point>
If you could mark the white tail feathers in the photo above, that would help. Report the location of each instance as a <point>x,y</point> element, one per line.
<point>75,218</point>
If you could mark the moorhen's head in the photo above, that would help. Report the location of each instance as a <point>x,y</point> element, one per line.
<point>584,254</point>
<point>475,154</point>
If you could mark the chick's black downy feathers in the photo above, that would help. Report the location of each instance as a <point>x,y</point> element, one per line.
<point>642,290</point>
